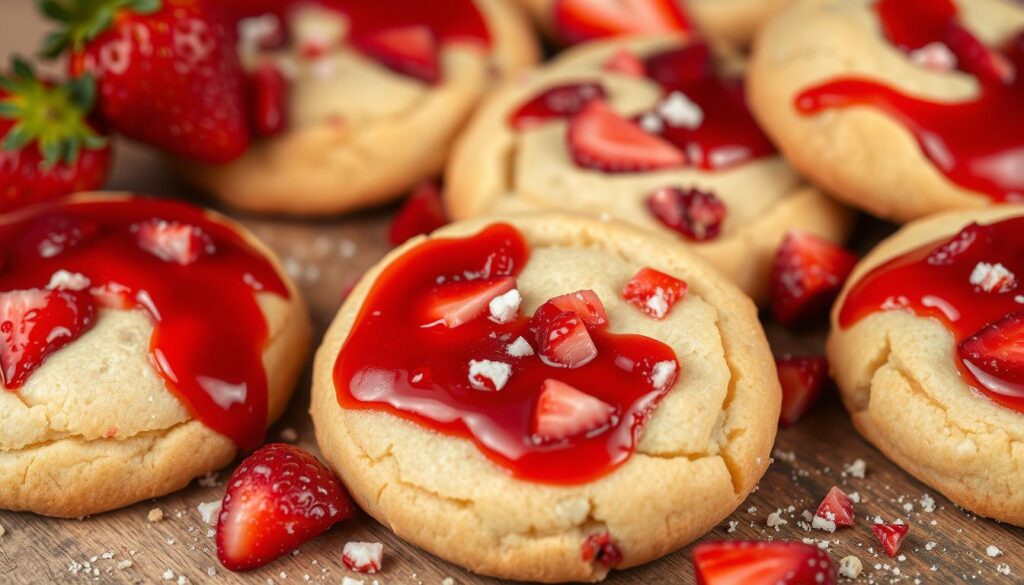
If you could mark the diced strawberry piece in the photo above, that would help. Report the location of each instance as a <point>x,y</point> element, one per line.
<point>654,292</point>
<point>422,213</point>
<point>561,337</point>
<point>563,412</point>
<point>740,562</point>
<point>891,536</point>
<point>363,557</point>
<point>555,104</point>
<point>837,507</point>
<point>681,67</point>
<point>602,140</point>
<point>977,59</point>
<point>997,349</point>
<point>278,498</point>
<point>696,214</point>
<point>173,241</point>
<point>972,237</point>
<point>35,323</point>
<point>456,303</point>
<point>625,62</point>
<point>268,90</point>
<point>802,379</point>
<point>599,548</point>
<point>583,20</point>
<point>52,235</point>
<point>807,275</point>
<point>410,50</point>
<point>586,305</point>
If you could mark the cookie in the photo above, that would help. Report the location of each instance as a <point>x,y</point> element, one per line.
<point>118,382</point>
<point>546,397</point>
<point>705,173</point>
<point>363,100</point>
<point>924,350</point>
<point>899,108</point>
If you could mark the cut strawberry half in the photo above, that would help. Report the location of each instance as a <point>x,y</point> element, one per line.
<point>586,305</point>
<point>277,499</point>
<point>602,140</point>
<point>974,57</point>
<point>410,50</point>
<point>837,507</point>
<point>891,536</point>
<point>997,350</point>
<point>561,338</point>
<point>268,90</point>
<point>696,214</point>
<point>172,241</point>
<point>625,62</point>
<point>600,548</point>
<point>35,323</point>
<point>582,20</point>
<point>741,562</point>
<point>802,379</point>
<point>683,66</point>
<point>556,103</point>
<point>807,275</point>
<point>456,303</point>
<point>960,247</point>
<point>563,412</point>
<point>363,557</point>
<point>422,213</point>
<point>654,292</point>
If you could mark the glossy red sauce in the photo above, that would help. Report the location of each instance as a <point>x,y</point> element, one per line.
<point>389,347</point>
<point>209,333</point>
<point>934,281</point>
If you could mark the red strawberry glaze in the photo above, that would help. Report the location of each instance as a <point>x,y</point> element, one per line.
<point>388,348</point>
<point>213,365</point>
<point>978,144</point>
<point>934,280</point>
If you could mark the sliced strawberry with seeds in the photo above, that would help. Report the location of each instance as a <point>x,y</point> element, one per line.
<point>625,62</point>
<point>173,241</point>
<point>561,337</point>
<point>587,306</point>
<point>268,91</point>
<point>807,275</point>
<point>802,379</point>
<point>997,350</point>
<point>555,103</point>
<point>602,140</point>
<point>891,536</point>
<point>279,498</point>
<point>422,213</point>
<point>363,557</point>
<point>654,292</point>
<point>410,50</point>
<point>35,323</point>
<point>583,20</point>
<point>696,214</point>
<point>741,562</point>
<point>975,58</point>
<point>563,411</point>
<point>599,548</point>
<point>456,303</point>
<point>837,507</point>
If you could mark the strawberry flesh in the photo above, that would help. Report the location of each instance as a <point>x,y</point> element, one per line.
<point>602,140</point>
<point>563,412</point>
<point>802,379</point>
<point>561,337</point>
<point>410,50</point>
<point>421,214</point>
<point>455,303</point>
<point>807,275</point>
<point>740,562</point>
<point>557,103</point>
<point>35,323</point>
<point>696,214</point>
<point>975,58</point>
<point>172,241</point>
<point>586,305</point>
<point>687,65</point>
<point>599,548</point>
<point>268,90</point>
<point>837,507</point>
<point>625,62</point>
<point>654,292</point>
<point>582,20</point>
<point>997,351</point>
<point>891,536</point>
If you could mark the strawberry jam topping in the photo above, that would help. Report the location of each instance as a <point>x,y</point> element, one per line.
<point>399,358</point>
<point>977,144</point>
<point>970,284</point>
<point>195,278</point>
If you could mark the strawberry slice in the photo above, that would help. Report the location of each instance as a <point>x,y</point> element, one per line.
<point>277,499</point>
<point>682,67</point>
<point>410,50</point>
<point>586,305</point>
<point>997,350</point>
<point>172,241</point>
<point>959,247</point>
<point>363,557</point>
<point>891,536</point>
<point>456,303</point>
<point>654,292</point>
<point>35,323</point>
<point>625,62</point>
<point>974,57</point>
<point>837,507</point>
<point>556,103</point>
<point>268,91</point>
<point>599,548</point>
<point>582,20</point>
<point>561,338</point>
<point>563,412</point>
<point>802,379</point>
<point>53,234</point>
<point>602,140</point>
<point>741,562</point>
<point>696,214</point>
<point>807,275</point>
<point>422,213</point>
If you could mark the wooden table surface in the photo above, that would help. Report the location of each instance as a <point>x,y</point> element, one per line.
<point>945,545</point>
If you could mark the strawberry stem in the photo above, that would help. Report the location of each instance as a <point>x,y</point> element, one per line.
<point>83,20</point>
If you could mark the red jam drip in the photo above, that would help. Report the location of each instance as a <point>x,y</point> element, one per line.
<point>209,332</point>
<point>451,21</point>
<point>391,362</point>
<point>934,281</point>
<point>977,144</point>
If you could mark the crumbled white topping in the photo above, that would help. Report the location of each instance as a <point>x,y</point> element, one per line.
<point>824,524</point>
<point>364,557</point>
<point>679,110</point>
<point>519,348</point>
<point>505,308</point>
<point>658,303</point>
<point>661,373</point>
<point>993,277</point>
<point>209,511</point>
<point>651,123</point>
<point>497,372</point>
<point>312,26</point>
<point>856,469</point>
<point>732,526</point>
<point>930,545</point>
<point>62,279</point>
<point>209,480</point>
<point>854,497</point>
<point>351,581</point>
<point>935,56</point>
<point>168,575</point>
<point>775,520</point>
<point>450,581</point>
<point>1003,569</point>
<point>927,503</point>
<point>993,552</point>
<point>850,567</point>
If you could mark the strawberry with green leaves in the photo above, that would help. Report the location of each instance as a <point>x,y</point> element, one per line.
<point>48,146</point>
<point>167,73</point>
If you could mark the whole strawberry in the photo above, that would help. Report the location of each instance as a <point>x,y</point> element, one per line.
<point>167,73</point>
<point>49,148</point>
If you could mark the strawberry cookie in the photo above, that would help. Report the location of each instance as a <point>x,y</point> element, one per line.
<point>546,397</point>
<point>354,102</point>
<point>652,131</point>
<point>925,347</point>
<point>142,343</point>
<point>902,108</point>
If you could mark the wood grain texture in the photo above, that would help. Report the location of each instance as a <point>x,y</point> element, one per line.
<point>326,257</point>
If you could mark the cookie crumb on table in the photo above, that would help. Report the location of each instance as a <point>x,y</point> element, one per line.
<point>155,515</point>
<point>850,567</point>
